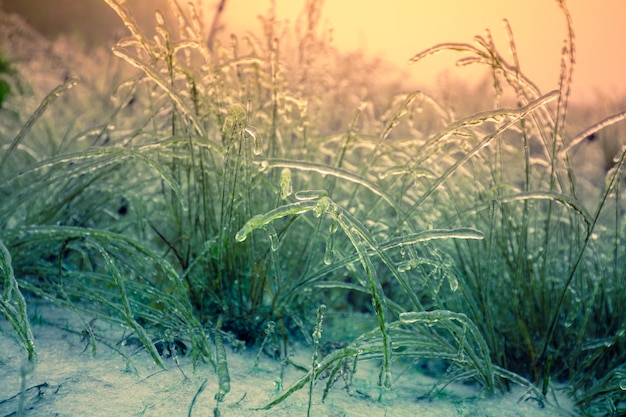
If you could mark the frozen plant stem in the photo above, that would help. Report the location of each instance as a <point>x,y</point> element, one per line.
<point>26,369</point>
<point>269,332</point>
<point>317,336</point>
<point>223,377</point>
<point>361,240</point>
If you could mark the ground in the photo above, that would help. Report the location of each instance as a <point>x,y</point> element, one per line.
<point>69,380</point>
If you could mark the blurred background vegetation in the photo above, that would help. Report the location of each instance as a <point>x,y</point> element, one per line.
<point>91,21</point>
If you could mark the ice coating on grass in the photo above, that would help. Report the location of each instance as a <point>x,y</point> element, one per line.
<point>323,205</point>
<point>407,265</point>
<point>159,17</point>
<point>254,223</point>
<point>263,166</point>
<point>257,140</point>
<point>329,251</point>
<point>273,237</point>
<point>261,220</point>
<point>416,172</point>
<point>334,226</point>
<point>454,283</point>
<point>308,195</point>
<point>426,317</point>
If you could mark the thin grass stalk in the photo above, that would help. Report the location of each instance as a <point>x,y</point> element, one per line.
<point>47,101</point>
<point>317,337</point>
<point>111,245</point>
<point>477,55</point>
<point>514,116</point>
<point>561,111</point>
<point>546,341</point>
<point>481,360</point>
<point>582,136</point>
<point>332,171</point>
<point>568,58</point>
<point>126,310</point>
<point>199,391</point>
<point>223,376</point>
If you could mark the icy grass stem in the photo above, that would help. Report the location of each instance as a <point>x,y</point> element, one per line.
<point>323,169</point>
<point>223,377</point>
<point>126,311</point>
<point>13,305</point>
<point>358,236</point>
<point>547,339</point>
<point>199,391</point>
<point>481,358</point>
<point>513,116</point>
<point>269,333</point>
<point>317,337</point>
<point>47,101</point>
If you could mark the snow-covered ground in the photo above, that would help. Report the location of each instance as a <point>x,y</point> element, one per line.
<point>69,380</point>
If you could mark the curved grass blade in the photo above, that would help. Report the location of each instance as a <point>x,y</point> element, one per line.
<point>576,140</point>
<point>49,99</point>
<point>514,115</point>
<point>333,171</point>
<point>481,359</point>
<point>540,195</point>
<point>13,305</point>
<point>360,239</point>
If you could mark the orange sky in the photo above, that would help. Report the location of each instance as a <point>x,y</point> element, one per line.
<point>397,29</point>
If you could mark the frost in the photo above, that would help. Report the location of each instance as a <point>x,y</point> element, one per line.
<point>254,223</point>
<point>286,186</point>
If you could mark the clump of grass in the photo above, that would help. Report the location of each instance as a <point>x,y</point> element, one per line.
<point>317,337</point>
<point>237,200</point>
<point>542,248</point>
<point>13,305</point>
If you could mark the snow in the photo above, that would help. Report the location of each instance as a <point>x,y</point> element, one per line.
<point>69,380</point>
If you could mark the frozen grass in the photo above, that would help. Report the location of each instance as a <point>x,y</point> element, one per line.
<point>230,191</point>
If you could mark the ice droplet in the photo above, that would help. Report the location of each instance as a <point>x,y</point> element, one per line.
<point>257,140</point>
<point>454,283</point>
<point>263,166</point>
<point>334,226</point>
<point>308,195</point>
<point>286,185</point>
<point>274,242</point>
<point>407,265</point>
<point>159,17</point>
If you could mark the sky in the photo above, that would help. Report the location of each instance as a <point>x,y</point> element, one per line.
<point>398,29</point>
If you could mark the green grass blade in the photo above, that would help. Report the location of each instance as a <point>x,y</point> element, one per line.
<point>49,99</point>
<point>13,305</point>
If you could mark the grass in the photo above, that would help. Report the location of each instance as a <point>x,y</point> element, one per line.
<point>5,71</point>
<point>229,192</point>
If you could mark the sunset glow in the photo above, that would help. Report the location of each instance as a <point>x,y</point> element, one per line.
<point>398,29</point>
